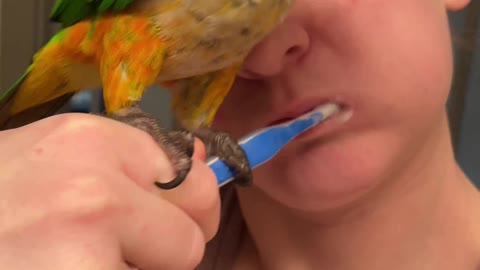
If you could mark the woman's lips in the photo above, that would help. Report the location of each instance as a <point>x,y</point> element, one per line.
<point>301,108</point>
<point>329,125</point>
<point>326,126</point>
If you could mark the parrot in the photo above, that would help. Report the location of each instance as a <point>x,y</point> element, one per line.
<point>192,48</point>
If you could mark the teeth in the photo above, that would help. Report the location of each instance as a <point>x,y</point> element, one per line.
<point>344,116</point>
<point>327,109</point>
<point>331,109</point>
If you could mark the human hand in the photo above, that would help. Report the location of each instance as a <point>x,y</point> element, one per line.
<point>77,192</point>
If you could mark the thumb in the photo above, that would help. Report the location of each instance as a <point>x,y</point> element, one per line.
<point>200,151</point>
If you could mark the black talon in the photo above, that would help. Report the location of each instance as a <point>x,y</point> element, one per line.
<point>181,175</point>
<point>178,145</point>
<point>227,149</point>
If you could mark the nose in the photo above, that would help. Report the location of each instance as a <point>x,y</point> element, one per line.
<point>285,46</point>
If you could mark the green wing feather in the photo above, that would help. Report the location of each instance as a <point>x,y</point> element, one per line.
<point>69,12</point>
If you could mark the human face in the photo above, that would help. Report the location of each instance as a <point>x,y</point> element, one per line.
<point>388,63</point>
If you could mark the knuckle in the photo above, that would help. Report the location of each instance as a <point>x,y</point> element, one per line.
<point>91,128</point>
<point>74,137</point>
<point>87,198</point>
<point>79,126</point>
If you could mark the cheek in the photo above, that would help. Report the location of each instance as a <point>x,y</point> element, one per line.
<point>328,175</point>
<point>394,67</point>
<point>406,56</point>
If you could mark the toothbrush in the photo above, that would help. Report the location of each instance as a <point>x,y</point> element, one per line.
<point>262,145</point>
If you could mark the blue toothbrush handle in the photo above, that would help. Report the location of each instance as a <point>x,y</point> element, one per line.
<point>264,144</point>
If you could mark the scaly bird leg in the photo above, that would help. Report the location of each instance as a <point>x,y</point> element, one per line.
<point>195,103</point>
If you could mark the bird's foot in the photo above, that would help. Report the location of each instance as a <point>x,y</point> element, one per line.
<point>179,146</point>
<point>227,149</point>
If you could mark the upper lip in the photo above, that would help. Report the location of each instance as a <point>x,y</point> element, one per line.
<point>298,108</point>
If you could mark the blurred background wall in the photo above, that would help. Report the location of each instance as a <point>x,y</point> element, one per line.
<point>464,103</point>
<point>24,28</point>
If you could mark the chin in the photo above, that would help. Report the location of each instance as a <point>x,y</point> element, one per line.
<point>320,176</point>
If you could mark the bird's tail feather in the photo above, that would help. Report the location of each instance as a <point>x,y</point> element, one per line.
<point>8,120</point>
<point>39,93</point>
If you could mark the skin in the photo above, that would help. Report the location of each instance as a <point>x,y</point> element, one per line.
<point>380,191</point>
<point>73,199</point>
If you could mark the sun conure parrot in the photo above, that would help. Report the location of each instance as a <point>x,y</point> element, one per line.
<point>192,47</point>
